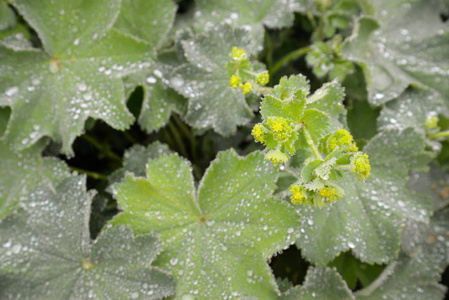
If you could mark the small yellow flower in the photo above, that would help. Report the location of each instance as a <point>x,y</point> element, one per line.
<point>258,133</point>
<point>297,196</point>
<point>280,127</point>
<point>329,193</point>
<point>343,139</point>
<point>234,81</point>
<point>263,78</point>
<point>277,157</point>
<point>238,53</point>
<point>432,121</point>
<point>352,148</point>
<point>246,88</point>
<point>360,166</point>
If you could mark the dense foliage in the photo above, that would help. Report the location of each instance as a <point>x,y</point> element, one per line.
<point>224,149</point>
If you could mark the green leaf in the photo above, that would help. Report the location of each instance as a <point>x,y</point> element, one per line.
<point>135,158</point>
<point>149,21</point>
<point>369,218</point>
<point>329,99</point>
<point>248,14</point>
<point>159,100</point>
<point>411,109</point>
<point>320,283</point>
<point>7,17</point>
<point>433,237</point>
<point>46,252</point>
<point>217,239</point>
<point>404,43</point>
<point>21,172</point>
<point>316,122</point>
<point>274,107</point>
<point>294,87</point>
<point>52,92</point>
<point>203,79</point>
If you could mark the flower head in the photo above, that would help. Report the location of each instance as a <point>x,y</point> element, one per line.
<point>258,133</point>
<point>360,166</point>
<point>234,81</point>
<point>280,127</point>
<point>263,78</point>
<point>297,196</point>
<point>246,88</point>
<point>238,53</point>
<point>329,193</point>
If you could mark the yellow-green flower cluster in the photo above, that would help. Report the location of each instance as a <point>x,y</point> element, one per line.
<point>238,54</point>
<point>280,128</point>
<point>343,140</point>
<point>258,133</point>
<point>241,72</point>
<point>360,166</point>
<point>297,196</point>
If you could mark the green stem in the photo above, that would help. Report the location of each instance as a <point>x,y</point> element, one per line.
<point>269,47</point>
<point>129,137</point>
<point>101,148</point>
<point>177,138</point>
<point>94,175</point>
<point>311,143</point>
<point>344,167</point>
<point>264,90</point>
<point>187,132</point>
<point>250,73</point>
<point>378,282</point>
<point>438,135</point>
<point>289,57</point>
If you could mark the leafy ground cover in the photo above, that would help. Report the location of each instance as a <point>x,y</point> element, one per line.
<point>265,149</point>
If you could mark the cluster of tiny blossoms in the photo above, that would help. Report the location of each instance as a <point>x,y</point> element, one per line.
<point>289,124</point>
<point>242,74</point>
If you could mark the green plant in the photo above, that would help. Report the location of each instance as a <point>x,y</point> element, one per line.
<point>219,149</point>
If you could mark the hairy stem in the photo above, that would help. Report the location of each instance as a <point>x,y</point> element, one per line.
<point>311,143</point>
<point>438,135</point>
<point>101,148</point>
<point>378,282</point>
<point>92,174</point>
<point>289,57</point>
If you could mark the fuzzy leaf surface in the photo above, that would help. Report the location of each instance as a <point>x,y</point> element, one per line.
<point>250,14</point>
<point>159,100</point>
<point>403,43</point>
<point>216,240</point>
<point>21,172</point>
<point>149,21</point>
<point>46,253</point>
<point>54,90</point>
<point>203,79</point>
<point>369,218</point>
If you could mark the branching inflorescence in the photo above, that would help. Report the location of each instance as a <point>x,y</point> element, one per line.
<point>293,121</point>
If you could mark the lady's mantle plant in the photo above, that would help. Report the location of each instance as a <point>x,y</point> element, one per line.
<point>352,125</point>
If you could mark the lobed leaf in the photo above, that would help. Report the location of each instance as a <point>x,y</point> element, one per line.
<point>23,171</point>
<point>53,91</point>
<point>46,253</point>
<point>216,240</point>
<point>199,74</point>
<point>404,43</point>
